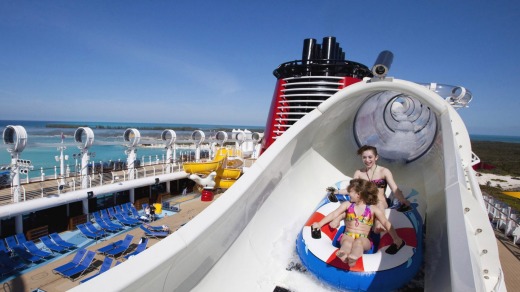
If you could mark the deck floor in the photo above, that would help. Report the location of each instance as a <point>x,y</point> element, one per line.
<point>44,279</point>
<point>510,260</point>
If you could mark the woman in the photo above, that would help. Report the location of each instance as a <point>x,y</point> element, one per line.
<point>379,175</point>
<point>359,216</point>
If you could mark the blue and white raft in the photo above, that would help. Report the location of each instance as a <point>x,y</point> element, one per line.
<point>375,270</point>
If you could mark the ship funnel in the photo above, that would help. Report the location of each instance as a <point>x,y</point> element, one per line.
<point>309,50</point>
<point>329,48</point>
<point>382,64</point>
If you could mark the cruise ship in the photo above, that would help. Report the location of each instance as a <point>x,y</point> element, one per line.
<point>323,109</point>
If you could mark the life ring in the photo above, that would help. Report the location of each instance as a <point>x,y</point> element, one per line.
<point>375,270</point>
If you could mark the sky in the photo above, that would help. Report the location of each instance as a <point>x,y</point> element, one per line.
<point>211,62</point>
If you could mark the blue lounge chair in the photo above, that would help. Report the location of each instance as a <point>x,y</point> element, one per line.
<point>105,225</point>
<point>11,242</point>
<point>129,216</point>
<point>161,228</point>
<point>73,263</point>
<point>126,221</point>
<point>87,233</point>
<point>4,270</point>
<point>21,238</point>
<point>111,212</point>
<point>59,241</point>
<point>51,245</point>
<point>105,266</point>
<point>153,234</point>
<point>93,229</point>
<point>114,225</point>
<point>119,209</point>
<point>140,248</point>
<point>133,211</point>
<point>3,247</point>
<point>25,255</point>
<point>122,247</point>
<point>105,215</point>
<point>80,269</point>
<point>109,247</point>
<point>9,264</point>
<point>34,250</point>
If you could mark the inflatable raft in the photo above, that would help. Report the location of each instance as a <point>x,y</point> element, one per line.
<point>375,270</point>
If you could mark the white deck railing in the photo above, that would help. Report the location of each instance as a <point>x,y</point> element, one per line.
<point>503,218</point>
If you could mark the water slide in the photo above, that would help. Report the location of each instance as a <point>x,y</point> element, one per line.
<point>245,240</point>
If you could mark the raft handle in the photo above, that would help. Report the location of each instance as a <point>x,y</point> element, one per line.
<point>316,233</point>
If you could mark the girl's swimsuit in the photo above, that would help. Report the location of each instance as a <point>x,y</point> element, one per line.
<point>365,218</point>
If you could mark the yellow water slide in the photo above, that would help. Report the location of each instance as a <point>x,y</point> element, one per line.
<point>228,170</point>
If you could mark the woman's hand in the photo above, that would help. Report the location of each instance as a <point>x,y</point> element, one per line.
<point>331,190</point>
<point>405,202</point>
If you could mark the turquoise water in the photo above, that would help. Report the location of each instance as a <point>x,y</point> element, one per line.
<point>42,141</point>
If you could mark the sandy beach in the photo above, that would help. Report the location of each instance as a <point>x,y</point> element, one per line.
<point>506,182</point>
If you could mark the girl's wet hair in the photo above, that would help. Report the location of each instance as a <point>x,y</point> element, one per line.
<point>366,189</point>
<point>365,148</point>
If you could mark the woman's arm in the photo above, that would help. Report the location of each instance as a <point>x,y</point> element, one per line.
<point>388,226</point>
<point>357,174</point>
<point>342,208</point>
<point>393,186</point>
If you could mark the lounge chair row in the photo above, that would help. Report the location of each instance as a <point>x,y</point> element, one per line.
<point>27,251</point>
<point>82,261</point>
<point>78,266</point>
<point>120,247</point>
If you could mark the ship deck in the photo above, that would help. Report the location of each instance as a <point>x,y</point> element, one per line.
<point>36,188</point>
<point>44,279</point>
<point>510,260</point>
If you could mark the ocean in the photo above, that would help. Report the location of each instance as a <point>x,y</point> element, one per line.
<point>44,138</point>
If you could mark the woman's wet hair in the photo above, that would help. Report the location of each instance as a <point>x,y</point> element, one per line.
<point>365,148</point>
<point>366,189</point>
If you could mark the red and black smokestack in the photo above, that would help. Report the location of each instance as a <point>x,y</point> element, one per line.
<point>304,84</point>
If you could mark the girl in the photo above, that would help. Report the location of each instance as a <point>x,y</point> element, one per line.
<point>360,213</point>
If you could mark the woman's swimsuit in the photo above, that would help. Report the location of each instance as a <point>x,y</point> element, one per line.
<point>380,183</point>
